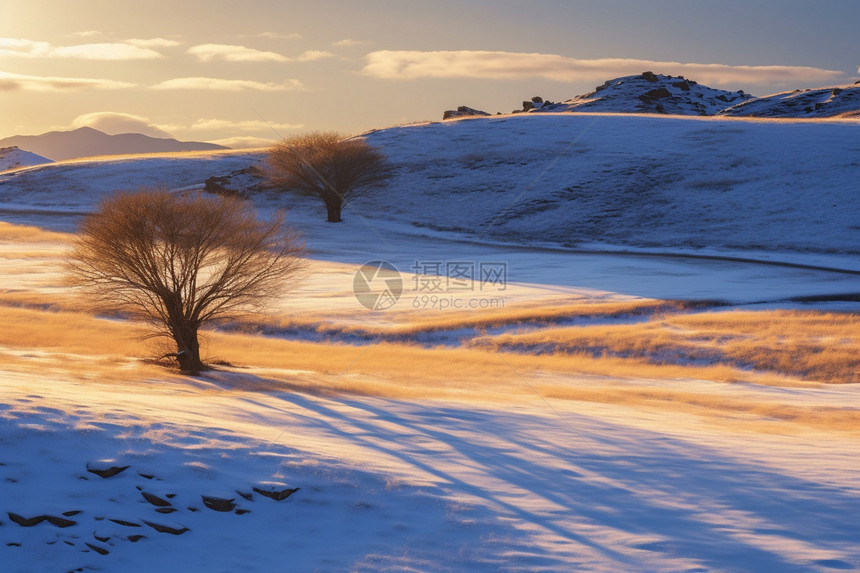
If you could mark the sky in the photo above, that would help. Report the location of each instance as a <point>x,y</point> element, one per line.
<point>249,73</point>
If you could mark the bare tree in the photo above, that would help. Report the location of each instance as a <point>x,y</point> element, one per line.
<point>328,166</point>
<point>182,261</point>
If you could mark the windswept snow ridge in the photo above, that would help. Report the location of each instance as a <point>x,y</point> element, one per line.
<point>837,101</point>
<point>13,158</point>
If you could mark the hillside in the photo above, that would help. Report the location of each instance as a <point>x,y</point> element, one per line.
<point>601,412</point>
<point>647,93</point>
<point>566,180</point>
<point>88,142</point>
<point>675,95</point>
<point>12,158</point>
<point>838,101</point>
<point>626,180</point>
<point>78,186</point>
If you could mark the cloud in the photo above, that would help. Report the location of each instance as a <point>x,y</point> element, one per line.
<point>409,65</point>
<point>153,43</point>
<point>346,42</point>
<point>10,82</point>
<point>231,53</point>
<point>218,84</point>
<point>247,125</point>
<point>273,36</point>
<point>112,123</point>
<point>245,142</point>
<point>313,55</point>
<point>22,48</point>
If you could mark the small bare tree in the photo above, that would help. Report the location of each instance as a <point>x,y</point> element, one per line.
<point>328,166</point>
<point>182,261</point>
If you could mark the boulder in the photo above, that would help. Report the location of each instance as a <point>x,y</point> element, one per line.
<point>154,499</point>
<point>276,493</point>
<point>97,548</point>
<point>124,523</point>
<point>59,521</point>
<point>219,504</point>
<point>218,186</point>
<point>26,521</point>
<point>658,93</point>
<point>650,76</point>
<point>105,470</point>
<point>463,111</point>
<point>171,529</point>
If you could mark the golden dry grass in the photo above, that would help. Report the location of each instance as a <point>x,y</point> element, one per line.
<point>630,365</point>
<point>426,371</point>
<point>102,352</point>
<point>546,312</point>
<point>72,332</point>
<point>823,347</point>
<point>10,232</point>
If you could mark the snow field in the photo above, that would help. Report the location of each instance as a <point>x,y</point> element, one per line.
<point>464,439</point>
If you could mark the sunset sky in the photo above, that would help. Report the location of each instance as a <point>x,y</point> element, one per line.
<point>247,73</point>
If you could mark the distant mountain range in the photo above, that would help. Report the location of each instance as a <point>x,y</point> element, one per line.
<point>660,94</point>
<point>87,142</point>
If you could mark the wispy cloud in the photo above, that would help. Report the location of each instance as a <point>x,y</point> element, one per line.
<point>273,36</point>
<point>231,53</point>
<point>246,125</point>
<point>346,42</point>
<point>22,48</point>
<point>113,122</point>
<point>245,142</point>
<point>219,84</point>
<point>153,42</point>
<point>313,55</point>
<point>11,82</point>
<point>409,65</point>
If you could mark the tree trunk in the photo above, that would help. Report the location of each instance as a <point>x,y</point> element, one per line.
<point>188,350</point>
<point>333,207</point>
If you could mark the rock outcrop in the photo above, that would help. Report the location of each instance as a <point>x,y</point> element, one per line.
<point>463,111</point>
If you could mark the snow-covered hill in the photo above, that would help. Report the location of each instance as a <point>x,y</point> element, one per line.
<point>664,94</point>
<point>627,180</point>
<point>12,158</point>
<point>646,93</point>
<point>837,101</point>
<point>409,458</point>
<point>570,180</point>
<point>78,186</point>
